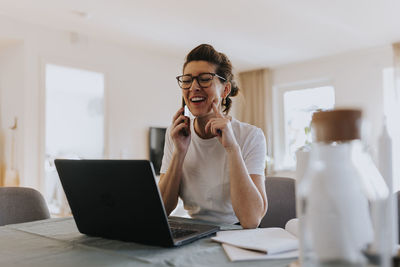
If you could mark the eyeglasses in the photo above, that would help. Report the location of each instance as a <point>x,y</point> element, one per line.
<point>203,79</point>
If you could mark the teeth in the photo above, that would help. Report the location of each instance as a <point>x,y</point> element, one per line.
<point>195,99</point>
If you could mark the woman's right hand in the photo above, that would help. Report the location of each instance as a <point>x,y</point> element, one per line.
<point>180,131</point>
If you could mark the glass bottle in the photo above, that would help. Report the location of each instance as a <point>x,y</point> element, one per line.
<point>340,196</point>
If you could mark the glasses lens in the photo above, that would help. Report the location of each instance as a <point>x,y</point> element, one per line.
<point>185,81</point>
<point>205,79</point>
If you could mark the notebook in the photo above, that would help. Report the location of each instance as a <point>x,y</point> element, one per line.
<point>119,199</point>
<point>261,243</point>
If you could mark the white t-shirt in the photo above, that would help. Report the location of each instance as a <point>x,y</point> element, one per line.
<point>205,187</point>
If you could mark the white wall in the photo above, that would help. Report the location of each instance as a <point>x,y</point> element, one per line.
<point>140,92</point>
<point>11,95</point>
<point>356,76</point>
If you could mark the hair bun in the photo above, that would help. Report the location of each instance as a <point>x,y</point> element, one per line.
<point>234,89</point>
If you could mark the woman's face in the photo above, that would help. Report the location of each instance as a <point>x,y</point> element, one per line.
<point>198,99</point>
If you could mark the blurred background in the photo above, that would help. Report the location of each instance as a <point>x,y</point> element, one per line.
<point>91,78</point>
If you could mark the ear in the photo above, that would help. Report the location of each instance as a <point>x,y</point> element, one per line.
<point>227,90</point>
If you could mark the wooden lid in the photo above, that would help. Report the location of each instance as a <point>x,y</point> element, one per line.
<point>336,125</point>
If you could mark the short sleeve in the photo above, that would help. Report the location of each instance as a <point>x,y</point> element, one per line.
<point>254,152</point>
<point>168,150</point>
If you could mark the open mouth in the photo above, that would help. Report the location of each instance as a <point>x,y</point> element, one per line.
<point>197,99</point>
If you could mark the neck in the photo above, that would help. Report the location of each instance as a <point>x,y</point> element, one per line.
<point>200,124</point>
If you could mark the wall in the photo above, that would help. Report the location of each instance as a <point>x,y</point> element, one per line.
<point>140,87</point>
<point>140,92</point>
<point>357,78</point>
<point>11,95</point>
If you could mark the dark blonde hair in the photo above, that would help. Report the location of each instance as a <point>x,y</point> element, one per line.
<point>223,65</point>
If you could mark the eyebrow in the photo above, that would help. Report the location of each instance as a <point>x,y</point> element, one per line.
<point>198,73</point>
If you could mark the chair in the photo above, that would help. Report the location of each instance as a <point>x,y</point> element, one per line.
<point>21,204</point>
<point>281,202</point>
<point>398,213</point>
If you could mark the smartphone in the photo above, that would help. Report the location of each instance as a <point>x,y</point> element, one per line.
<point>184,113</point>
<point>184,106</point>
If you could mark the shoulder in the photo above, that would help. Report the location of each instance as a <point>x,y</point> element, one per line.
<point>245,130</point>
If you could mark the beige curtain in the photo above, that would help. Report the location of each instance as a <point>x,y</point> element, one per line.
<point>255,105</point>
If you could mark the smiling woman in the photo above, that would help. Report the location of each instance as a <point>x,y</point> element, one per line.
<point>217,168</point>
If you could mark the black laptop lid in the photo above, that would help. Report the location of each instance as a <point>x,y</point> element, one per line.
<point>116,199</point>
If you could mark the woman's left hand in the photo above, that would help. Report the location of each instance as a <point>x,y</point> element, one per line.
<point>221,127</point>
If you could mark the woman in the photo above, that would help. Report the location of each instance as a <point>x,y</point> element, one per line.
<point>214,162</point>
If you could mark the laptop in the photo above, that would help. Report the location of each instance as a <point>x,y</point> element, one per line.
<point>119,199</point>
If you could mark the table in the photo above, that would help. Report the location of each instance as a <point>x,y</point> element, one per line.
<point>57,242</point>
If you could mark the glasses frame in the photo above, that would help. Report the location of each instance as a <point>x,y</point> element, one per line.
<point>197,79</point>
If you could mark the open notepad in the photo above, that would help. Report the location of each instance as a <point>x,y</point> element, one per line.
<point>260,243</point>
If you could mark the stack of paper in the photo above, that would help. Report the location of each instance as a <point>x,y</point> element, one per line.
<point>260,243</point>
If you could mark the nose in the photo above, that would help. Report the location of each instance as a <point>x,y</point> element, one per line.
<point>195,85</point>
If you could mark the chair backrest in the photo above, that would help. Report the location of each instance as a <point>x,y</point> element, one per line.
<point>281,201</point>
<point>21,204</point>
<point>398,214</point>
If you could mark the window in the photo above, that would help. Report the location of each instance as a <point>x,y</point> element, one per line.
<point>296,108</point>
<point>74,112</point>
<point>74,124</point>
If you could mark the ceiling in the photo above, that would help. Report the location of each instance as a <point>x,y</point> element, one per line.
<point>253,33</point>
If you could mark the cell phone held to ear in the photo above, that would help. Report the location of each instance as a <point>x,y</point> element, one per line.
<point>184,131</point>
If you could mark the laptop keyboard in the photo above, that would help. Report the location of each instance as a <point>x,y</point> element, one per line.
<point>179,232</point>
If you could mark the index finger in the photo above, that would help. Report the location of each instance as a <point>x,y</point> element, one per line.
<point>216,111</point>
<point>177,114</point>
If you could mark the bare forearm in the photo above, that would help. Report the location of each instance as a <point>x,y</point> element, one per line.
<point>248,202</point>
<point>169,183</point>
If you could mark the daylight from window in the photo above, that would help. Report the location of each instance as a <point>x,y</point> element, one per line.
<point>299,106</point>
<point>74,112</point>
<point>74,124</point>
